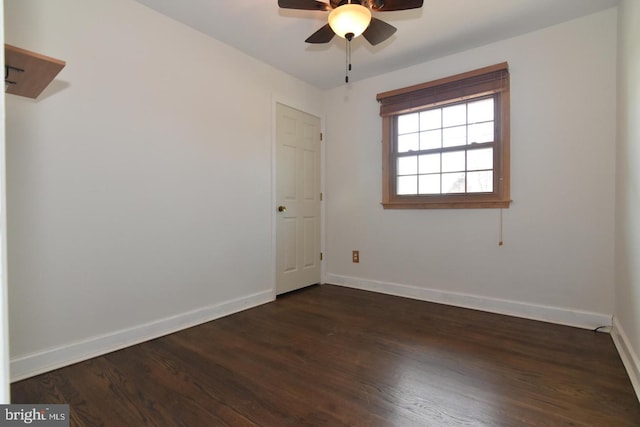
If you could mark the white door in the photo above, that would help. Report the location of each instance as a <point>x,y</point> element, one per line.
<point>297,199</point>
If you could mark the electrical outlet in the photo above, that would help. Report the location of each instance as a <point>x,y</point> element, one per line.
<point>355,256</point>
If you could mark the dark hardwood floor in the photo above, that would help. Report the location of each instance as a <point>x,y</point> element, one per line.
<point>335,356</point>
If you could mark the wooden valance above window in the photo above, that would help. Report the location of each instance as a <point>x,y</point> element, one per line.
<point>480,82</point>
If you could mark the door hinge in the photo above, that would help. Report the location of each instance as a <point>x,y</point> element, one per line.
<point>321,256</point>
<point>320,136</point>
<point>321,196</point>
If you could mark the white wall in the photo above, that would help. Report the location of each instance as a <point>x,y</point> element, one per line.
<point>627,308</point>
<point>557,261</point>
<point>139,183</point>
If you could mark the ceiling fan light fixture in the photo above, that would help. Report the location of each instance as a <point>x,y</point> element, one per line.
<point>349,18</point>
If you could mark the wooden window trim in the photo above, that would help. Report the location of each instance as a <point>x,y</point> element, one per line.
<point>488,81</point>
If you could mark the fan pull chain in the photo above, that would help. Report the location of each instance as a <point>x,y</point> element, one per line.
<point>346,61</point>
<point>348,37</point>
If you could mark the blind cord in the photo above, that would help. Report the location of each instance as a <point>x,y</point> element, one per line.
<point>500,242</point>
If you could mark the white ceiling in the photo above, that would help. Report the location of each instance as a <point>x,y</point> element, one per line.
<point>441,27</point>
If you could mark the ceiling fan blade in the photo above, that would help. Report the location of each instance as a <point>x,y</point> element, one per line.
<point>323,35</point>
<point>391,5</point>
<point>303,5</point>
<point>378,31</point>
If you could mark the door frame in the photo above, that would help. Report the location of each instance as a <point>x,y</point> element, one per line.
<point>5,376</point>
<point>314,111</point>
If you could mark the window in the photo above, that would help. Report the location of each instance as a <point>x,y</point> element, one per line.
<point>446,142</point>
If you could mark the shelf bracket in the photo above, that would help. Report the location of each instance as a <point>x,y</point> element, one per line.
<point>7,70</point>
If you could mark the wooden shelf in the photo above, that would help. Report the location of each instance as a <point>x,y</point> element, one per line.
<point>39,71</point>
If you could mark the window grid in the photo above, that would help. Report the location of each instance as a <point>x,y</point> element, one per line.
<point>461,186</point>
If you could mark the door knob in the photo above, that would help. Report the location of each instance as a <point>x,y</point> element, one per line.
<point>282,208</point>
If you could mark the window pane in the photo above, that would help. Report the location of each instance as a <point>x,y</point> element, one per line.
<point>429,163</point>
<point>408,165</point>
<point>408,123</point>
<point>454,115</point>
<point>480,182</point>
<point>453,182</point>
<point>431,119</point>
<point>407,185</point>
<point>481,132</point>
<point>480,111</point>
<point>429,184</point>
<point>453,162</point>
<point>453,137</point>
<point>480,159</point>
<point>408,142</point>
<point>431,139</point>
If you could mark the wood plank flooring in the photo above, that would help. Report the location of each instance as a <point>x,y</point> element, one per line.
<point>332,356</point>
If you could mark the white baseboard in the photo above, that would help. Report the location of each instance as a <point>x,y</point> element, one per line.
<point>33,364</point>
<point>559,315</point>
<point>627,354</point>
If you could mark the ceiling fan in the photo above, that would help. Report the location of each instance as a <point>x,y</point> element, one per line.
<point>351,18</point>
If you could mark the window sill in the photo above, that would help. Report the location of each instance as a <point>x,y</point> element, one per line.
<point>494,204</point>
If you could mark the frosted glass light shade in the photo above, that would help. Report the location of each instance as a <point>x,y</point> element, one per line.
<point>349,18</point>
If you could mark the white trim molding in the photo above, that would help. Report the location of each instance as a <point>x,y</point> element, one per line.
<point>37,363</point>
<point>629,357</point>
<point>5,391</point>
<point>551,314</point>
